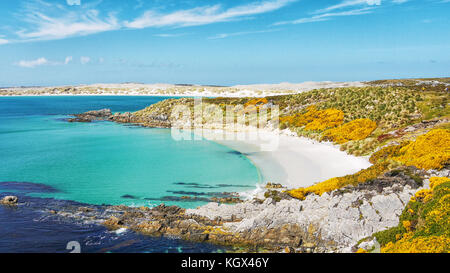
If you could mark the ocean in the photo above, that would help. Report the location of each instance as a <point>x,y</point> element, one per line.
<point>46,160</point>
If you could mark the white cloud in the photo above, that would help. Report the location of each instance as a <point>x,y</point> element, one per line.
<point>33,63</point>
<point>350,3</point>
<point>344,8</point>
<point>47,21</point>
<point>226,35</point>
<point>73,2</point>
<point>170,35</point>
<point>204,15</point>
<point>68,59</point>
<point>326,16</point>
<point>3,41</point>
<point>64,23</point>
<point>85,60</point>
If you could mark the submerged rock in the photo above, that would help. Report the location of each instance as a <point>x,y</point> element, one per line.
<point>129,196</point>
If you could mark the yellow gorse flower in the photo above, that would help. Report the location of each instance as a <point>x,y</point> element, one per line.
<point>316,120</point>
<point>429,151</point>
<point>354,130</point>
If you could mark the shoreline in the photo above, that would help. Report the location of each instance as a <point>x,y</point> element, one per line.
<point>296,161</point>
<point>208,95</point>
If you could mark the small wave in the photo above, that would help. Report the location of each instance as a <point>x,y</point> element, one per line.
<point>120,231</point>
<point>250,194</point>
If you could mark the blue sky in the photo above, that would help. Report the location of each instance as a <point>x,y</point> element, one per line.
<point>55,42</point>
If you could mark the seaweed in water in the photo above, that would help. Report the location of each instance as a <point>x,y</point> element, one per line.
<point>230,185</point>
<point>205,186</point>
<point>179,199</point>
<point>27,187</point>
<point>129,196</point>
<point>214,194</point>
<point>239,153</point>
<point>195,185</point>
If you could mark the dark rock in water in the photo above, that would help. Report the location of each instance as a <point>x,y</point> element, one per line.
<point>129,196</point>
<point>238,153</point>
<point>188,193</point>
<point>85,209</point>
<point>9,200</point>
<point>179,199</point>
<point>226,200</point>
<point>214,194</point>
<point>122,118</point>
<point>104,114</point>
<point>187,184</point>
<point>113,223</point>
<point>45,225</point>
<point>195,185</point>
<point>230,185</point>
<point>172,222</point>
<point>205,186</point>
<point>27,187</point>
<point>273,186</point>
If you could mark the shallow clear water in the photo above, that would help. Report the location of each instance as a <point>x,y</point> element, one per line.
<point>49,162</point>
<point>108,163</point>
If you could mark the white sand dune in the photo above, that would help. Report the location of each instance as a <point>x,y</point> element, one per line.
<point>161,89</point>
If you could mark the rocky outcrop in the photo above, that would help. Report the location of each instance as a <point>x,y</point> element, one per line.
<point>158,121</point>
<point>424,125</point>
<point>335,221</point>
<point>173,221</point>
<point>104,114</point>
<point>9,200</point>
<point>126,117</point>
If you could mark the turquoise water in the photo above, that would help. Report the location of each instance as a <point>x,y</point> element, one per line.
<point>108,163</point>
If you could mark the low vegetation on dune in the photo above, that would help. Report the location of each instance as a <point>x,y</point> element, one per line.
<point>387,106</point>
<point>424,224</point>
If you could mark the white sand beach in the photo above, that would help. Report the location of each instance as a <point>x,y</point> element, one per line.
<point>294,161</point>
